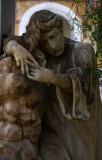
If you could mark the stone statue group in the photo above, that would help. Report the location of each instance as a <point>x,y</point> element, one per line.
<point>49,109</point>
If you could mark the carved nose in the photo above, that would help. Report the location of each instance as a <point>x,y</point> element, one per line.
<point>52,44</point>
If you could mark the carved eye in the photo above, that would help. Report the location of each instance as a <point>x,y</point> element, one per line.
<point>52,36</point>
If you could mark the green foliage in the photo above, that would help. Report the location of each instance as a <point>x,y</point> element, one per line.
<point>92,25</point>
<point>91,28</point>
<point>95,75</point>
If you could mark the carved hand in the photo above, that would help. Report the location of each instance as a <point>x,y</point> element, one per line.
<point>45,75</point>
<point>20,54</point>
<point>38,73</point>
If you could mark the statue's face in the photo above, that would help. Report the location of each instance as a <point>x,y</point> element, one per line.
<point>52,42</point>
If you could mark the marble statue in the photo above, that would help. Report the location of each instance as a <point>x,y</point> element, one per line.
<point>49,108</point>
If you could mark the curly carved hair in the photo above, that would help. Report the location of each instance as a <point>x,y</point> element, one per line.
<point>40,21</point>
<point>44,20</point>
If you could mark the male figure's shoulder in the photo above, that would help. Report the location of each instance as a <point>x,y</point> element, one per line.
<point>85,51</point>
<point>78,44</point>
<point>80,48</point>
<point>80,52</point>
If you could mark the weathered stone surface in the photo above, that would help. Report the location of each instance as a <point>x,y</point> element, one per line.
<point>6,153</point>
<point>20,150</point>
<point>21,108</point>
<point>10,132</point>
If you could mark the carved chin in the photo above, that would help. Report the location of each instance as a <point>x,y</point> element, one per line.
<point>60,52</point>
<point>57,53</point>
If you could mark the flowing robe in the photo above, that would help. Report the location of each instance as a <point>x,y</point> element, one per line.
<point>71,121</point>
<point>70,126</point>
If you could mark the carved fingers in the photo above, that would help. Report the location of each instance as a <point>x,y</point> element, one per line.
<point>32,65</point>
<point>21,55</point>
<point>30,57</point>
<point>38,73</point>
<point>32,73</point>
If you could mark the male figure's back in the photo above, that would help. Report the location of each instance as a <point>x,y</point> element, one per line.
<point>21,108</point>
